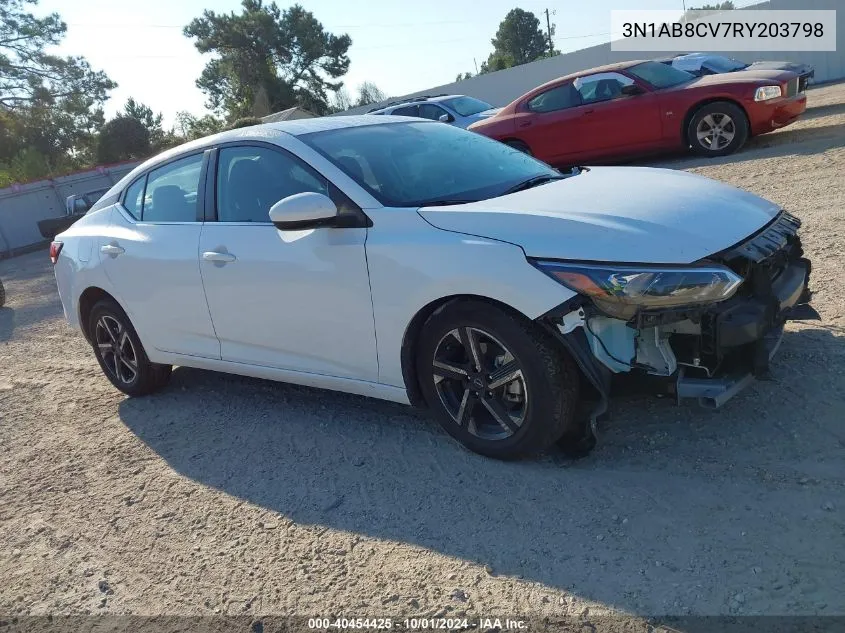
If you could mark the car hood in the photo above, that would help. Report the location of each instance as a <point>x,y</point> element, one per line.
<point>480,116</point>
<point>747,76</point>
<point>615,214</point>
<point>790,66</point>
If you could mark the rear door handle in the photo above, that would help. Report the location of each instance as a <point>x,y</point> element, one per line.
<point>215,256</point>
<point>525,124</point>
<point>586,112</point>
<point>112,249</point>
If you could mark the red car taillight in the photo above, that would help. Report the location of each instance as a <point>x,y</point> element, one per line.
<point>55,249</point>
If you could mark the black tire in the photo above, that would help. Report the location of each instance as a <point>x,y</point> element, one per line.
<point>118,349</point>
<point>519,145</point>
<point>548,380</point>
<point>2,294</point>
<point>723,118</point>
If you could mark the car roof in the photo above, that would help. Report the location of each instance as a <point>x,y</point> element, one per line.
<point>414,100</point>
<point>590,71</point>
<point>297,127</point>
<point>265,132</point>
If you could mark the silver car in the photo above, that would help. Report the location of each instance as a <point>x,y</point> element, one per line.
<point>458,110</point>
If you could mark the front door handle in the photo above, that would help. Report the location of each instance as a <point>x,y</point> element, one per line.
<point>524,123</point>
<point>215,256</point>
<point>112,249</point>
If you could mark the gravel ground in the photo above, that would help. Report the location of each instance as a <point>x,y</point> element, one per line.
<point>227,495</point>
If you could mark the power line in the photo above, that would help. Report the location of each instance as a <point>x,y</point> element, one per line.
<point>130,25</point>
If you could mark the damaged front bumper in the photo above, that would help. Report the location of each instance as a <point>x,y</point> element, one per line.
<point>709,352</point>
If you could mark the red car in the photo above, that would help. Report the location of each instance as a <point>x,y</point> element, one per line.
<point>639,107</point>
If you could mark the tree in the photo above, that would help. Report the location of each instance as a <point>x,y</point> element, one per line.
<point>28,74</point>
<point>50,106</point>
<point>123,138</point>
<point>463,76</point>
<point>145,115</point>
<point>699,12</point>
<point>518,40</point>
<point>285,53</point>
<point>369,93</point>
<point>340,101</point>
<point>190,127</point>
<point>245,122</point>
<point>497,61</point>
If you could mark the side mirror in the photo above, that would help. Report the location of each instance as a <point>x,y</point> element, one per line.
<point>300,211</point>
<point>446,118</point>
<point>632,90</point>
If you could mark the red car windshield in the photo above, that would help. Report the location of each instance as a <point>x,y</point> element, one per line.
<point>660,75</point>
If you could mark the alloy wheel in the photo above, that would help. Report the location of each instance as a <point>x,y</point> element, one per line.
<point>716,131</point>
<point>480,383</point>
<point>116,349</point>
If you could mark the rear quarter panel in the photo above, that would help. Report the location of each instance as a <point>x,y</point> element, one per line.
<point>78,267</point>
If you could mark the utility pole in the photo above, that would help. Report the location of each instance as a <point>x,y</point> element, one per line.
<point>549,31</point>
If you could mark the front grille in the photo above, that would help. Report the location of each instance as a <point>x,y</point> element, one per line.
<point>792,87</point>
<point>802,83</point>
<point>762,258</point>
<point>771,239</point>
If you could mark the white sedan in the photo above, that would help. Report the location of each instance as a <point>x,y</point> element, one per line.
<point>420,263</point>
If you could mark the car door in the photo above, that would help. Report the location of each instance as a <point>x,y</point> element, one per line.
<point>149,253</point>
<point>548,123</point>
<point>295,300</point>
<point>613,123</point>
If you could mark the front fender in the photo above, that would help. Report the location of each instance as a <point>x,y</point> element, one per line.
<point>413,264</point>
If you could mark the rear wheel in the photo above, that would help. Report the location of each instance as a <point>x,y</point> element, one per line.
<point>522,147</point>
<point>499,385</point>
<point>120,353</point>
<point>2,294</point>
<point>717,129</point>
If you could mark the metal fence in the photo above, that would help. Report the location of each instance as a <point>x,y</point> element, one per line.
<point>23,206</point>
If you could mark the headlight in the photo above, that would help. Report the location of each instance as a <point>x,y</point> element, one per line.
<point>621,291</point>
<point>764,93</point>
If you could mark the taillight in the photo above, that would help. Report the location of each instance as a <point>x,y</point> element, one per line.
<point>55,249</point>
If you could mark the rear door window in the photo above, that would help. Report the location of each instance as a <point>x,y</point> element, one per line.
<point>171,193</point>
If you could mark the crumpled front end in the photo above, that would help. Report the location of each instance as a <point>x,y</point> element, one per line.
<point>707,352</point>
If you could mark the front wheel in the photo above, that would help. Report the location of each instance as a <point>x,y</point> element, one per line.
<point>2,294</point>
<point>120,353</point>
<point>717,129</point>
<point>499,385</point>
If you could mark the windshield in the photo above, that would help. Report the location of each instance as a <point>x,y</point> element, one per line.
<point>414,164</point>
<point>467,106</point>
<point>660,75</point>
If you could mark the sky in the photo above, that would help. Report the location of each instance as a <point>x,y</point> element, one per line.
<point>401,46</point>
